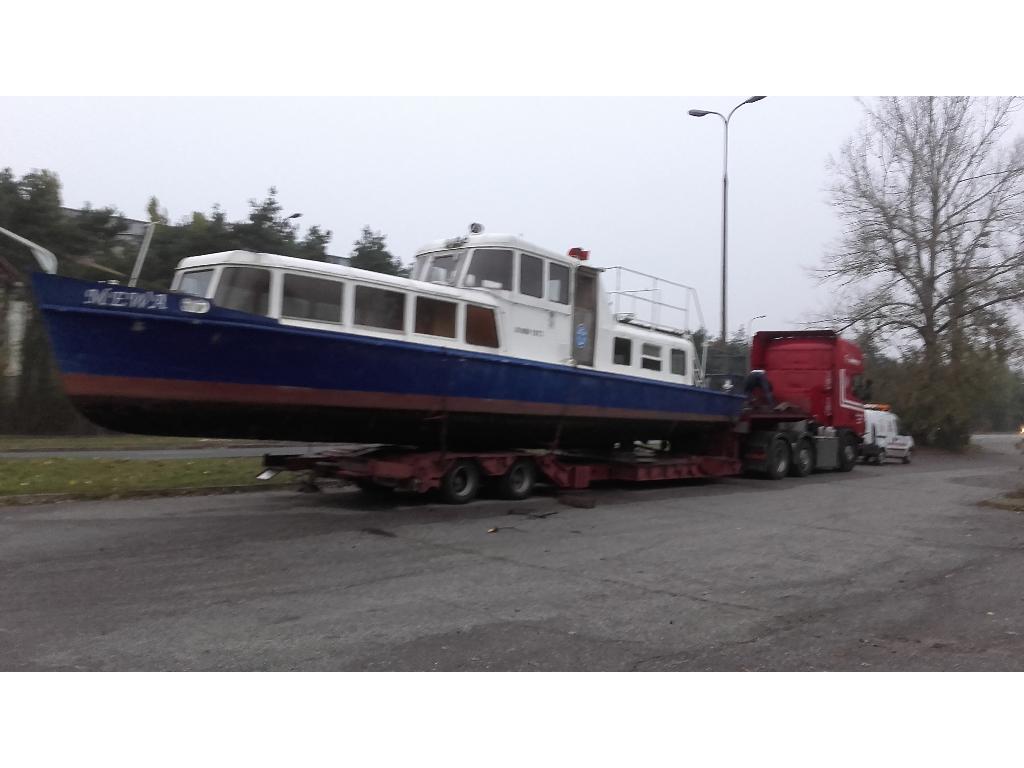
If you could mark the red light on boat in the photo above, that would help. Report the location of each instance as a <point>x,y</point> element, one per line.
<point>579,253</point>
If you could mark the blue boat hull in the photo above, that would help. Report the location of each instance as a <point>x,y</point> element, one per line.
<point>133,361</point>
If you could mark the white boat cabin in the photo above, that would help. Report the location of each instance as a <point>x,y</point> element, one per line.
<point>483,293</point>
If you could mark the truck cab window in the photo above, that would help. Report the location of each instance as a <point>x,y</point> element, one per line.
<point>861,388</point>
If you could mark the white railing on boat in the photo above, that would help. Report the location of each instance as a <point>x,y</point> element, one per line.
<point>658,304</point>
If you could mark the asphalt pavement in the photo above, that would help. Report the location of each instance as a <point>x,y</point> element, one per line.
<point>884,568</point>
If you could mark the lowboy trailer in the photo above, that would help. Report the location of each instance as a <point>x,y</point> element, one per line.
<point>806,418</point>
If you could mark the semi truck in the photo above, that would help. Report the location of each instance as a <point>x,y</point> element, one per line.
<point>801,415</point>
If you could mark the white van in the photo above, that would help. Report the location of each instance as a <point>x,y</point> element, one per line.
<point>882,438</point>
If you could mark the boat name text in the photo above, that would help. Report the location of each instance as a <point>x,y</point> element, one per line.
<point>108,297</point>
<point>529,332</point>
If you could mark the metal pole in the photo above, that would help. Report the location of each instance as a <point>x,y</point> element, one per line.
<point>725,228</point>
<point>46,260</point>
<point>142,255</point>
<point>725,200</point>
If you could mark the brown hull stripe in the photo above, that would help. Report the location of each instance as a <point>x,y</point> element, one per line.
<point>83,385</point>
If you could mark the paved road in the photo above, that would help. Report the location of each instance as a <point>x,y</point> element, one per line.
<point>892,567</point>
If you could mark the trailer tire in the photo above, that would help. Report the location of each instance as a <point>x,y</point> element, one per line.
<point>803,459</point>
<point>847,453</point>
<point>518,482</point>
<point>778,459</point>
<point>906,458</point>
<point>461,483</point>
<point>880,458</point>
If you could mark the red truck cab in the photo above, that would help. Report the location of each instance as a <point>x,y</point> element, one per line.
<point>816,372</point>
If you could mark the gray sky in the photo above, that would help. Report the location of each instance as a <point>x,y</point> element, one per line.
<point>635,180</point>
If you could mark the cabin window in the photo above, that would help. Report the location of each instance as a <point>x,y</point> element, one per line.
<point>445,268</point>
<point>558,283</point>
<point>435,318</point>
<point>195,283</point>
<point>650,357</point>
<point>531,276</point>
<point>481,328</point>
<point>678,362</point>
<point>245,289</point>
<point>378,308</point>
<point>490,268</point>
<point>311,298</point>
<point>623,353</point>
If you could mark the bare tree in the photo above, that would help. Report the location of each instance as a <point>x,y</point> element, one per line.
<point>932,199</point>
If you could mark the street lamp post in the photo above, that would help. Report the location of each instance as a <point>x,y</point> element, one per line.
<point>750,337</point>
<point>725,195</point>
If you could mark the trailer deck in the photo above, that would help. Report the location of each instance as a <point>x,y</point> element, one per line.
<point>382,467</point>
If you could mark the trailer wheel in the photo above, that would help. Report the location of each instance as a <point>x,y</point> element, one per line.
<point>518,482</point>
<point>906,458</point>
<point>803,460</point>
<point>880,458</point>
<point>847,453</point>
<point>461,483</point>
<point>778,459</point>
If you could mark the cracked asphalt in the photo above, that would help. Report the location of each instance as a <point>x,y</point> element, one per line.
<point>884,568</point>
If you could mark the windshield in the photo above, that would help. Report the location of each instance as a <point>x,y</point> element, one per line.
<point>444,268</point>
<point>490,268</point>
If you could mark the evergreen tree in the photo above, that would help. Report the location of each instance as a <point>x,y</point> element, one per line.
<point>371,253</point>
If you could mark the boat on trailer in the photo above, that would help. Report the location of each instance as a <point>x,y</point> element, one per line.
<point>492,342</point>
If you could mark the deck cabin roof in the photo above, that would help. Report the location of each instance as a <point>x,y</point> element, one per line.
<point>494,241</point>
<point>309,266</point>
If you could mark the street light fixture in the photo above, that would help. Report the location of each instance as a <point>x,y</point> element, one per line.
<point>725,193</point>
<point>286,219</point>
<point>750,336</point>
<point>750,325</point>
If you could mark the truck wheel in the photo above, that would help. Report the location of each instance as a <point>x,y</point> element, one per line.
<point>461,483</point>
<point>778,459</point>
<point>847,453</point>
<point>518,482</point>
<point>803,459</point>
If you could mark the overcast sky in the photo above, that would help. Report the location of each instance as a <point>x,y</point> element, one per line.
<point>635,180</point>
